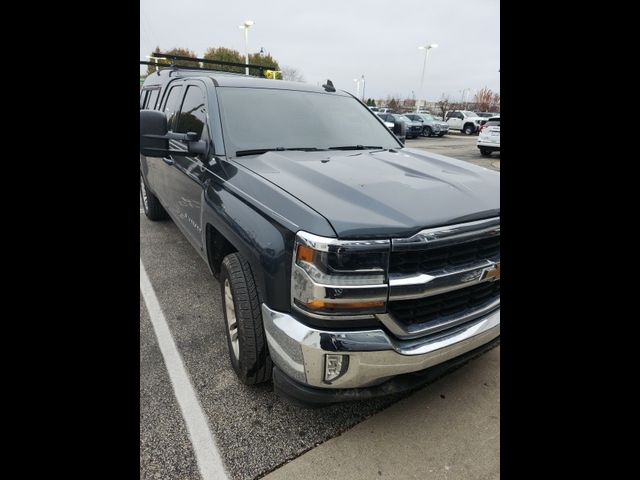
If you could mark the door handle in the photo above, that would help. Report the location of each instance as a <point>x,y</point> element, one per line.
<point>168,160</point>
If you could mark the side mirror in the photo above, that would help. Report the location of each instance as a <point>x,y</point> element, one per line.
<point>153,134</point>
<point>197,147</point>
<point>154,137</point>
<point>400,129</point>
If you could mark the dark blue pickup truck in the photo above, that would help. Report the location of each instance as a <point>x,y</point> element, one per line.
<point>349,265</point>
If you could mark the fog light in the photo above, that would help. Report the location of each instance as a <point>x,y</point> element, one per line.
<point>335,366</point>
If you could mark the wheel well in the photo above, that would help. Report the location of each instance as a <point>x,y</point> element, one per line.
<point>218,247</point>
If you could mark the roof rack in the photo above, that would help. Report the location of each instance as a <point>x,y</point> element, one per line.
<point>173,58</point>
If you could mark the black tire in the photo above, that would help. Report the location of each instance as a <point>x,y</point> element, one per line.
<point>485,152</point>
<point>427,132</point>
<point>469,129</point>
<point>150,203</point>
<point>252,363</point>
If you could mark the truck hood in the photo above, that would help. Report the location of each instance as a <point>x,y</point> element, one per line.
<point>382,193</point>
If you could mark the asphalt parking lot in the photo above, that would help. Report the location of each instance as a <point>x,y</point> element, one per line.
<point>462,147</point>
<point>454,422</point>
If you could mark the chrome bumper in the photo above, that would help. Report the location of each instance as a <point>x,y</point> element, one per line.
<point>299,351</point>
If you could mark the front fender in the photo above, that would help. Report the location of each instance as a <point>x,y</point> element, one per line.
<point>263,233</point>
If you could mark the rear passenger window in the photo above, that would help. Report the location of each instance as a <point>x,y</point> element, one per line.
<point>152,97</point>
<point>172,106</point>
<point>193,113</point>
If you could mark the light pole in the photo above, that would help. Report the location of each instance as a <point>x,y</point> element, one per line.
<point>427,49</point>
<point>363,88</point>
<point>245,26</point>
<point>357,80</point>
<point>464,97</point>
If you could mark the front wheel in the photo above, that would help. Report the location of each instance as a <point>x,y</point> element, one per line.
<point>485,152</point>
<point>246,340</point>
<point>469,129</point>
<point>427,132</point>
<point>150,203</point>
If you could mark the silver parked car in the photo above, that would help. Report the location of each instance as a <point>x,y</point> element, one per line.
<point>430,124</point>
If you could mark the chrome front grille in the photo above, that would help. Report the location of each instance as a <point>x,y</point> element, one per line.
<point>446,306</point>
<point>442,277</point>
<point>445,257</point>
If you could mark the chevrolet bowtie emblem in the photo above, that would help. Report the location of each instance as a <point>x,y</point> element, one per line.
<point>492,273</point>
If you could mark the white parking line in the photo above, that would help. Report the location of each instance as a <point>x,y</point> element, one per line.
<point>207,454</point>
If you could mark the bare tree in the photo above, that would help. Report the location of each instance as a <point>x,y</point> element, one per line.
<point>485,99</point>
<point>443,105</point>
<point>394,102</point>
<point>495,103</point>
<point>291,74</point>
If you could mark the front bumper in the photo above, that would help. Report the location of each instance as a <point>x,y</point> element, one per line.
<point>306,396</point>
<point>374,356</point>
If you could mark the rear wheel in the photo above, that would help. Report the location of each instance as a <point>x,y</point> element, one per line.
<point>150,203</point>
<point>485,151</point>
<point>246,340</point>
<point>469,129</point>
<point>427,132</point>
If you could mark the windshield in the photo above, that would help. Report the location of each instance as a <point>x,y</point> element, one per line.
<point>427,117</point>
<point>469,114</point>
<point>260,118</point>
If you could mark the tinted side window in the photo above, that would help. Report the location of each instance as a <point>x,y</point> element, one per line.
<point>172,105</point>
<point>493,123</point>
<point>152,97</point>
<point>193,113</point>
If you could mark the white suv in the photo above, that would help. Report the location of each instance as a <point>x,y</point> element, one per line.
<point>464,120</point>
<point>489,138</point>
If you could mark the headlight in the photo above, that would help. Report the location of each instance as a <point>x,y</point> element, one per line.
<point>338,278</point>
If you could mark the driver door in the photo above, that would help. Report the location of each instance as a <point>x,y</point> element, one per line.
<point>185,180</point>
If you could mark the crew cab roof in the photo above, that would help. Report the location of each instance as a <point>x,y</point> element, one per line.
<point>227,79</point>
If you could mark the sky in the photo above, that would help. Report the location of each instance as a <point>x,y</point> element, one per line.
<point>344,39</point>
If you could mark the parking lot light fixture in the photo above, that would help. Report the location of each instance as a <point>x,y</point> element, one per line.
<point>427,49</point>
<point>245,26</point>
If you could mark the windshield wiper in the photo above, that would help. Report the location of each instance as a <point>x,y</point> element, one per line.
<point>259,151</point>
<point>356,147</point>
